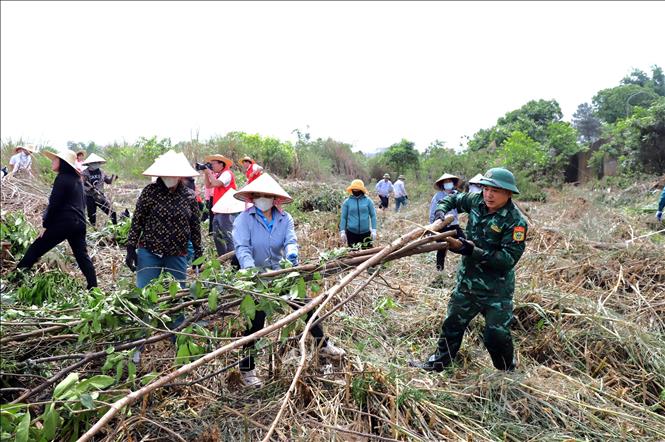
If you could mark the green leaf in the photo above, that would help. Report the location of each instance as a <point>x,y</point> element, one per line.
<point>23,428</point>
<point>65,385</point>
<point>315,288</point>
<point>98,382</point>
<point>317,276</point>
<point>213,295</point>
<point>153,296</point>
<point>86,401</point>
<point>50,422</point>
<point>173,288</point>
<point>146,379</point>
<point>131,371</point>
<point>302,288</point>
<point>198,261</point>
<point>248,307</point>
<point>119,369</point>
<point>183,354</point>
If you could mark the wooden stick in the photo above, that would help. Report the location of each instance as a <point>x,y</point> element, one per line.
<point>165,379</point>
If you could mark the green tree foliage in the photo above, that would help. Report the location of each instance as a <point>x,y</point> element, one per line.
<point>402,157</point>
<point>615,103</point>
<point>640,78</point>
<point>638,142</point>
<point>586,122</point>
<point>323,158</point>
<point>531,119</point>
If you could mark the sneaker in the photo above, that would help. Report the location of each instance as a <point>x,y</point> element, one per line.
<point>250,379</point>
<point>332,352</point>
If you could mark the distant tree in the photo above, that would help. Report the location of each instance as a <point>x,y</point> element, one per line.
<point>402,156</point>
<point>614,103</point>
<point>586,122</point>
<point>640,78</point>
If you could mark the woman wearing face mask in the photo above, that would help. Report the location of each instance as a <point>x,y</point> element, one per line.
<point>263,235</point>
<point>21,162</point>
<point>64,218</point>
<point>165,220</point>
<point>358,221</point>
<point>445,186</point>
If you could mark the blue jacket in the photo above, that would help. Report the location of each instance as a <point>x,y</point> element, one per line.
<point>438,196</point>
<point>256,246</point>
<point>661,203</point>
<point>356,215</point>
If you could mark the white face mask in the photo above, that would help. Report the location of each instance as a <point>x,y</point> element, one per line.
<point>264,203</point>
<point>448,186</point>
<point>170,181</point>
<point>23,154</point>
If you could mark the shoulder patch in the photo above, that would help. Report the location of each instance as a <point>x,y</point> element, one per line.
<point>519,233</point>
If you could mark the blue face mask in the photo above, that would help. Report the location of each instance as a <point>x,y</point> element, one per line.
<point>448,186</point>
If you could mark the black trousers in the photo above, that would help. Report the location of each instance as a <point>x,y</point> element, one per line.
<point>384,202</point>
<point>210,215</point>
<point>74,233</point>
<point>91,205</point>
<point>247,363</point>
<point>359,238</point>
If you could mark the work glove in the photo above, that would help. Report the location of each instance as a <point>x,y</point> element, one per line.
<point>439,214</point>
<point>342,235</point>
<point>373,233</point>
<point>293,259</point>
<point>456,228</point>
<point>467,248</point>
<point>659,215</point>
<point>131,258</point>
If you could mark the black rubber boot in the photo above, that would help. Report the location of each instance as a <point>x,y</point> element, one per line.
<point>435,362</point>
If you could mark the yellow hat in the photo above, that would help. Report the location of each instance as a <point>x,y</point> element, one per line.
<point>264,184</point>
<point>218,157</point>
<point>68,156</point>
<point>246,158</point>
<point>357,185</point>
<point>28,149</point>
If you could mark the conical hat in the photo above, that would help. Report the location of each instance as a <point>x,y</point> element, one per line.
<point>228,204</point>
<point>446,176</point>
<point>218,157</point>
<point>29,149</point>
<point>94,158</point>
<point>68,156</point>
<point>264,184</point>
<point>171,164</point>
<point>476,179</point>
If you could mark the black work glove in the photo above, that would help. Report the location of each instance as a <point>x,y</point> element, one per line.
<point>467,247</point>
<point>439,214</point>
<point>131,258</point>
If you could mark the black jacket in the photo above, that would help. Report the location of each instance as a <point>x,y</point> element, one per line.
<point>66,203</point>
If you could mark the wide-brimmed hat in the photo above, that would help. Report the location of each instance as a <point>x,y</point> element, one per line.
<point>28,149</point>
<point>357,185</point>
<point>246,158</point>
<point>171,164</point>
<point>68,156</point>
<point>218,157</point>
<point>386,175</point>
<point>401,177</point>
<point>476,179</point>
<point>93,158</point>
<point>446,176</point>
<point>227,204</point>
<point>81,152</point>
<point>264,184</point>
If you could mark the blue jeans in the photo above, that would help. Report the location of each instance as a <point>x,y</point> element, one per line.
<point>149,266</point>
<point>401,201</point>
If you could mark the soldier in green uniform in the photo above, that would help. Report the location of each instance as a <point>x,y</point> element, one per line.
<point>495,233</point>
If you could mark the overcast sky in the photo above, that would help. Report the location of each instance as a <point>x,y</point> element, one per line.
<point>367,74</point>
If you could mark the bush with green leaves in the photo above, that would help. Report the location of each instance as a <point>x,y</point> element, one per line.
<point>16,230</point>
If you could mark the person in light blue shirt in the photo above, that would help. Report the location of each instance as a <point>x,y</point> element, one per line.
<point>384,188</point>
<point>264,235</point>
<point>446,185</point>
<point>400,193</point>
<point>357,224</point>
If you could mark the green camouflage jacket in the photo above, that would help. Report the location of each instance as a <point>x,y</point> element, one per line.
<point>499,244</point>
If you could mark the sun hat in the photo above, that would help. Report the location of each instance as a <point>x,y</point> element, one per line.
<point>386,175</point>
<point>357,185</point>
<point>171,164</point>
<point>446,176</point>
<point>401,177</point>
<point>28,149</point>
<point>247,158</point>
<point>218,157</point>
<point>476,179</point>
<point>227,204</point>
<point>267,185</point>
<point>501,178</point>
<point>93,158</point>
<point>68,156</point>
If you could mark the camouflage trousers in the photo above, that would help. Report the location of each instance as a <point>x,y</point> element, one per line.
<point>498,314</point>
